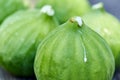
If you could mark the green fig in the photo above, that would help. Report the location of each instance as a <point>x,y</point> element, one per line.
<point>20,35</point>
<point>66,8</point>
<point>7,7</point>
<point>74,52</point>
<point>107,26</point>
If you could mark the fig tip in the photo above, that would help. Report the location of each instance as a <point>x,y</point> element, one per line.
<point>97,6</point>
<point>48,10</point>
<point>78,20</point>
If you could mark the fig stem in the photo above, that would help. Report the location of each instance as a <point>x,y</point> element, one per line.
<point>98,6</point>
<point>78,20</point>
<point>47,9</point>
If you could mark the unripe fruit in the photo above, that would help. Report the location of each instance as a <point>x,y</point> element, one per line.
<point>74,52</point>
<point>20,35</point>
<point>107,26</point>
<point>8,7</point>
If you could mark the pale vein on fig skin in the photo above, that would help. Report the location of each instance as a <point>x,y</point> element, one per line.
<point>47,9</point>
<point>80,23</point>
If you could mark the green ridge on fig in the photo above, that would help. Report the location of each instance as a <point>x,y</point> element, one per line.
<point>20,35</point>
<point>74,52</point>
<point>66,8</point>
<point>107,26</point>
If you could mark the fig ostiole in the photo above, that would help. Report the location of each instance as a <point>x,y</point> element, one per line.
<point>107,26</point>
<point>20,35</point>
<point>73,51</point>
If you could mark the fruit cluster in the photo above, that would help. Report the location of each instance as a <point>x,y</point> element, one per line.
<point>58,40</point>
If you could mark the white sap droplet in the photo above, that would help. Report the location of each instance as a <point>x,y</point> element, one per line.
<point>48,10</point>
<point>79,21</point>
<point>85,59</point>
<point>85,55</point>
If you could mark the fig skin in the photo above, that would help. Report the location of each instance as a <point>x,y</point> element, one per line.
<point>107,26</point>
<point>73,51</point>
<point>8,7</point>
<point>20,35</point>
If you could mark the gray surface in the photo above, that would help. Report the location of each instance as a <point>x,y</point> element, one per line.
<point>4,75</point>
<point>112,6</point>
